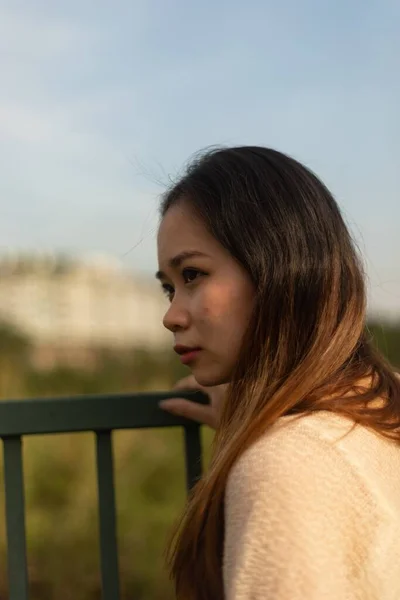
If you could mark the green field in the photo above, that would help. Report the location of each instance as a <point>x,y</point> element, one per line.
<point>61,487</point>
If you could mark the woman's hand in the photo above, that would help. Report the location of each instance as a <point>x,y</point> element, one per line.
<point>207,414</point>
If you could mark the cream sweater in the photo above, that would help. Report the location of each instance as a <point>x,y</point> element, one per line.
<point>313,515</point>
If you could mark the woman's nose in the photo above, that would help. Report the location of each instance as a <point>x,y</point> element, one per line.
<point>176,317</point>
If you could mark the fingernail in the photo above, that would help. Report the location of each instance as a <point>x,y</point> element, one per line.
<point>164,404</point>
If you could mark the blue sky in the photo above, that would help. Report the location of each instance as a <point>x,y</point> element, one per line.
<point>100,102</point>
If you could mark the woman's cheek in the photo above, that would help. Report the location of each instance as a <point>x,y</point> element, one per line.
<point>211,304</point>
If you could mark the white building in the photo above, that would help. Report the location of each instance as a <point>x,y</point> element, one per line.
<point>61,302</point>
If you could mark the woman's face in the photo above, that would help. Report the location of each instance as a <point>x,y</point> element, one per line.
<point>211,296</point>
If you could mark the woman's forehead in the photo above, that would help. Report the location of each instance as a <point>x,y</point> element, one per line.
<point>180,227</point>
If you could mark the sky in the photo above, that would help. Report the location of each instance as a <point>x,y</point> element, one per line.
<point>102,103</point>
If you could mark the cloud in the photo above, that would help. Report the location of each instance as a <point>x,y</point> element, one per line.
<point>24,126</point>
<point>66,182</point>
<point>25,36</point>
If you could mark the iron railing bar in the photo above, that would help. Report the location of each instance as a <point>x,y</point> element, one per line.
<point>193,454</point>
<point>100,414</point>
<point>89,413</point>
<point>107,518</point>
<point>15,519</point>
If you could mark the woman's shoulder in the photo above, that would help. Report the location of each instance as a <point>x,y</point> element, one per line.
<point>321,447</point>
<point>292,444</point>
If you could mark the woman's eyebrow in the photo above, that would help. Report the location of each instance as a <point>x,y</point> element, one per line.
<point>177,260</point>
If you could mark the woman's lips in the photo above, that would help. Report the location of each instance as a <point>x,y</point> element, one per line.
<point>187,354</point>
<point>190,356</point>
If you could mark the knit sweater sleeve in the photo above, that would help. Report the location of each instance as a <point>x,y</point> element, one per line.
<point>299,523</point>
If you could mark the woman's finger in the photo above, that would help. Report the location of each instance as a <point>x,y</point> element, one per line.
<point>187,383</point>
<point>201,413</point>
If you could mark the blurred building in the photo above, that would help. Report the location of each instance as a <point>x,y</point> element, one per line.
<point>67,306</point>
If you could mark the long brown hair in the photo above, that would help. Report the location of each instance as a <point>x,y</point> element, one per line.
<point>307,346</point>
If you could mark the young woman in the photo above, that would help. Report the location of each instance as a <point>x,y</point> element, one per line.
<point>267,307</point>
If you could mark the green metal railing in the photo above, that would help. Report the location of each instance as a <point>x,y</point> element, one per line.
<point>101,415</point>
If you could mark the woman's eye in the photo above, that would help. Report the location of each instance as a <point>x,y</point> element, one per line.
<point>168,291</point>
<point>190,275</point>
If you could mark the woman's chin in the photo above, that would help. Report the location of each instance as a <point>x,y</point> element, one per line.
<point>209,378</point>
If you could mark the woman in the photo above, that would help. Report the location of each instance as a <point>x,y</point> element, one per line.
<point>267,307</point>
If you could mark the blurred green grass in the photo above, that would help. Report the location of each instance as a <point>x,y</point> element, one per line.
<point>60,484</point>
<point>62,513</point>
